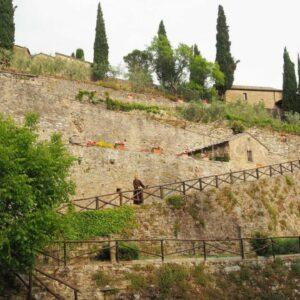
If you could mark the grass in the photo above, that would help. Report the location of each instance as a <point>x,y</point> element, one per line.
<point>238,114</point>
<point>175,201</point>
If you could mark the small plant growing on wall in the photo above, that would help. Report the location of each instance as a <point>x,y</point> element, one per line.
<point>175,201</point>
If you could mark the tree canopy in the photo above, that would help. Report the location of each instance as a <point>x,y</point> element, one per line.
<point>224,58</point>
<point>79,54</point>
<point>7,25</point>
<point>101,49</point>
<point>33,183</point>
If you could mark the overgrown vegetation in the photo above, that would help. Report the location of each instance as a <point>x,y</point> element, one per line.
<point>89,224</point>
<point>175,201</point>
<point>247,115</point>
<point>274,280</point>
<point>34,181</point>
<point>126,252</point>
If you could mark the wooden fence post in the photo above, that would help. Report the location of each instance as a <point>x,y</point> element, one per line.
<point>271,173</point>
<point>194,249</point>
<point>244,175</point>
<point>217,181</point>
<point>97,203</point>
<point>119,191</point>
<point>280,167</point>
<point>204,251</point>
<point>162,250</point>
<point>292,167</point>
<point>29,296</point>
<point>117,252</point>
<point>183,188</point>
<point>242,248</point>
<point>65,253</point>
<point>272,245</point>
<point>161,190</point>
<point>257,173</point>
<point>200,184</point>
<point>231,177</point>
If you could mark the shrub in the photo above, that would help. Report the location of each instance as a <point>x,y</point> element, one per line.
<point>102,279</point>
<point>289,181</point>
<point>237,127</point>
<point>295,267</point>
<point>199,275</point>
<point>175,201</point>
<point>173,282</point>
<point>83,93</point>
<point>137,282</point>
<point>5,58</point>
<point>261,245</point>
<point>286,246</point>
<point>88,224</point>
<point>123,106</point>
<point>127,252</point>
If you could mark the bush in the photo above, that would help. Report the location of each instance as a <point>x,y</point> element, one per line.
<point>237,127</point>
<point>122,106</point>
<point>295,266</point>
<point>286,246</point>
<point>102,279</point>
<point>261,245</point>
<point>191,91</point>
<point>137,282</point>
<point>175,201</point>
<point>173,282</point>
<point>127,252</point>
<point>5,58</point>
<point>89,224</point>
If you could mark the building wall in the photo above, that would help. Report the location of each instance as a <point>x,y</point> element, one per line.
<point>240,146</point>
<point>254,97</point>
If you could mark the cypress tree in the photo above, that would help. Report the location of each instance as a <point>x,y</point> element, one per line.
<point>165,61</point>
<point>289,100</point>
<point>196,50</point>
<point>224,57</point>
<point>101,64</point>
<point>79,54</point>
<point>298,74</point>
<point>7,25</point>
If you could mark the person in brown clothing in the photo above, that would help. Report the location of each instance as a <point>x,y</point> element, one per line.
<point>138,186</point>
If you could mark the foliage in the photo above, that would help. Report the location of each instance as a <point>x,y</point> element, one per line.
<point>101,64</point>
<point>7,25</point>
<point>127,252</point>
<point>173,282</point>
<point>175,201</point>
<point>163,58</point>
<point>102,279</point>
<point>248,115</point>
<point>89,224</point>
<point>5,57</point>
<point>33,183</point>
<point>290,101</point>
<point>260,244</point>
<point>295,266</point>
<point>289,180</point>
<point>199,275</point>
<point>292,118</point>
<point>103,144</point>
<point>224,58</point>
<point>51,66</point>
<point>138,59</point>
<point>137,282</point>
<point>224,158</point>
<point>122,106</point>
<point>237,127</point>
<point>79,54</point>
<point>91,96</point>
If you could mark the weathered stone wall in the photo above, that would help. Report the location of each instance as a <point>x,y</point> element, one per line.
<point>103,170</point>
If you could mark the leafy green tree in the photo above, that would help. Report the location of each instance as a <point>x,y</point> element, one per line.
<point>163,58</point>
<point>79,54</point>
<point>289,100</point>
<point>101,64</point>
<point>196,50</point>
<point>34,181</point>
<point>7,25</point>
<point>224,58</point>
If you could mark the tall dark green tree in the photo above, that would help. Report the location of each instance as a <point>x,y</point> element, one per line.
<point>7,25</point>
<point>101,64</point>
<point>289,99</point>
<point>196,50</point>
<point>164,60</point>
<point>224,58</point>
<point>298,74</point>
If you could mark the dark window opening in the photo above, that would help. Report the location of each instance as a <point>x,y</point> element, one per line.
<point>250,156</point>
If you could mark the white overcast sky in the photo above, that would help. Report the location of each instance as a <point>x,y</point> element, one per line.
<point>259,29</point>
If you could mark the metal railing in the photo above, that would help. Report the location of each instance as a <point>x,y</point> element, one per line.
<point>160,192</point>
<point>69,252</point>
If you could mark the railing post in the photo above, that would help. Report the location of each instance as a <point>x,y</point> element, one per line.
<point>161,190</point>
<point>200,184</point>
<point>162,250</point>
<point>292,167</point>
<point>65,253</point>
<point>257,173</point>
<point>271,173</point>
<point>272,245</point>
<point>281,170</point>
<point>244,175</point>
<point>231,177</point>
<point>117,252</point>
<point>194,249</point>
<point>97,203</point>
<point>299,243</point>
<point>183,188</point>
<point>204,251</point>
<point>120,197</point>
<point>29,296</point>
<point>217,181</point>
<point>242,248</point>
<point>75,295</point>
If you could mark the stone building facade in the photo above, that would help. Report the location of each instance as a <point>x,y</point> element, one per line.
<point>253,95</point>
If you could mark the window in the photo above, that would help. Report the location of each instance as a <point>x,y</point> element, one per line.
<point>250,156</point>
<point>245,96</point>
